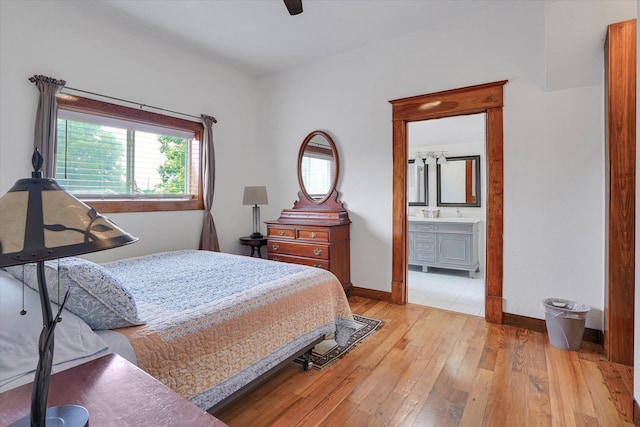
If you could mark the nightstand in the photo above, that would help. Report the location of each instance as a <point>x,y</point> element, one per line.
<point>115,392</point>
<point>256,243</point>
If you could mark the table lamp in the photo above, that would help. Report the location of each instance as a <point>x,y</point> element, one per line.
<point>255,196</point>
<point>39,221</point>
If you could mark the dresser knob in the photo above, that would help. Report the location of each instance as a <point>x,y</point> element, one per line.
<point>275,258</point>
<point>281,232</point>
<point>317,265</point>
<point>275,246</point>
<point>312,235</point>
<point>317,251</point>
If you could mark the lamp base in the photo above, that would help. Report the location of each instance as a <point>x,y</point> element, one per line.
<point>60,416</point>
<point>256,236</point>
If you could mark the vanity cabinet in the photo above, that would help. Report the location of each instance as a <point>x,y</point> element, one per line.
<point>318,242</point>
<point>444,244</point>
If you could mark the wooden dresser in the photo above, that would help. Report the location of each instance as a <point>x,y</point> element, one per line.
<point>319,238</point>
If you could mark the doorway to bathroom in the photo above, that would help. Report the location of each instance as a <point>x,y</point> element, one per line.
<point>446,213</point>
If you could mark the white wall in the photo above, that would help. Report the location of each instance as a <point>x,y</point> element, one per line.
<point>79,42</point>
<point>553,147</point>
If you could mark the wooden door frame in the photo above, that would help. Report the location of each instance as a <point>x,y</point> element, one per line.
<point>486,98</point>
<point>620,143</point>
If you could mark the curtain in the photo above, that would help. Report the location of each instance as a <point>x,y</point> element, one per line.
<point>209,236</point>
<point>47,121</point>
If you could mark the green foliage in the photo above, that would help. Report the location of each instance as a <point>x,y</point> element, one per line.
<point>89,159</point>
<point>174,169</point>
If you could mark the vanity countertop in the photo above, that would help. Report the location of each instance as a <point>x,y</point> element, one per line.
<point>445,219</point>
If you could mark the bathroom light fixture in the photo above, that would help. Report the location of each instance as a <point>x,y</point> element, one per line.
<point>442,160</point>
<point>433,157</point>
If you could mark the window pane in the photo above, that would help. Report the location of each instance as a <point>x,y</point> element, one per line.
<point>161,165</point>
<point>316,175</point>
<point>111,161</point>
<point>91,159</point>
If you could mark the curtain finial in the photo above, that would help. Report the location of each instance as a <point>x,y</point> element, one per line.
<point>206,117</point>
<point>39,77</point>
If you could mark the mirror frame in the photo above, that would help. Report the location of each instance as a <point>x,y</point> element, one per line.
<point>334,181</point>
<point>426,185</point>
<point>478,188</point>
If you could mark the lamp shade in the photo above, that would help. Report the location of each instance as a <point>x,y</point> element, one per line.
<point>40,221</point>
<point>255,196</point>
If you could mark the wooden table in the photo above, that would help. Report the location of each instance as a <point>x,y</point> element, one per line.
<point>115,392</point>
<point>255,242</point>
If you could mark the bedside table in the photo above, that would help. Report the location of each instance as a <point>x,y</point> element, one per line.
<point>256,243</point>
<point>115,392</point>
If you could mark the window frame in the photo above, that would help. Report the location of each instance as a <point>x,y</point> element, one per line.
<point>106,109</point>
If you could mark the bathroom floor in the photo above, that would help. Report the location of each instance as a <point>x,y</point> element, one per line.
<point>447,289</point>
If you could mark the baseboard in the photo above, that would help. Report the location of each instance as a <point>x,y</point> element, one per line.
<point>539,325</point>
<point>531,323</point>
<point>371,294</point>
<point>636,413</point>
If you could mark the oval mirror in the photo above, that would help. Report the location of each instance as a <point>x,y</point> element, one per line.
<point>317,167</point>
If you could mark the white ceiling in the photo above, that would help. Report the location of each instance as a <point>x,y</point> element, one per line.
<point>260,37</point>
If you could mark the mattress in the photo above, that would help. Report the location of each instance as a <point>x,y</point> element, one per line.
<point>214,322</point>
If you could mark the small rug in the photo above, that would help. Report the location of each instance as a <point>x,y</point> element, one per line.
<point>328,351</point>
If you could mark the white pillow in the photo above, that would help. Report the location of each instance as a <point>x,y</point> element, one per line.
<point>97,296</point>
<point>19,335</point>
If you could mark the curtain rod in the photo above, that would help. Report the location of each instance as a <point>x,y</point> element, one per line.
<point>135,103</point>
<point>33,80</point>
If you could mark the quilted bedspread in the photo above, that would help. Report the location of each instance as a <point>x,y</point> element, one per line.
<point>215,321</point>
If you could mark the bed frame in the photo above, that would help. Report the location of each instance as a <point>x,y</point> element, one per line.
<point>305,353</point>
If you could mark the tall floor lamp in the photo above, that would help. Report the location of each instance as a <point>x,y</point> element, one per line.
<point>40,221</point>
<point>255,196</point>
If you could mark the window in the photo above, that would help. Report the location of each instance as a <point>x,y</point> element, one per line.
<point>317,169</point>
<point>121,159</point>
<point>316,175</point>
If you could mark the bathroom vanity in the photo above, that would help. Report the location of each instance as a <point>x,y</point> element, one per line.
<point>444,243</point>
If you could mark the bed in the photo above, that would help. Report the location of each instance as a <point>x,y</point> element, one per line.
<point>206,324</point>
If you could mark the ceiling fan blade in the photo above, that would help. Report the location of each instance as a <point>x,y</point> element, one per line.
<point>294,6</point>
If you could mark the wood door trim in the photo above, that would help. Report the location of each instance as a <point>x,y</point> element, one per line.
<point>620,141</point>
<point>485,98</point>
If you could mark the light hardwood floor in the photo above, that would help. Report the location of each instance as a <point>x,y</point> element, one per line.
<point>430,367</point>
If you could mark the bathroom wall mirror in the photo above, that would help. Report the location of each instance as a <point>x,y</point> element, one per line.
<point>458,182</point>
<point>417,183</point>
<point>317,167</point>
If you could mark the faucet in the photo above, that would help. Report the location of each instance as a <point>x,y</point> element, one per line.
<point>458,213</point>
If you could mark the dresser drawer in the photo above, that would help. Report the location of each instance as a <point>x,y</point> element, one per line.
<point>425,256</point>
<point>319,235</point>
<point>298,249</point>
<point>285,233</point>
<point>319,263</point>
<point>449,227</point>
<point>421,246</point>
<point>425,238</point>
<point>421,226</point>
